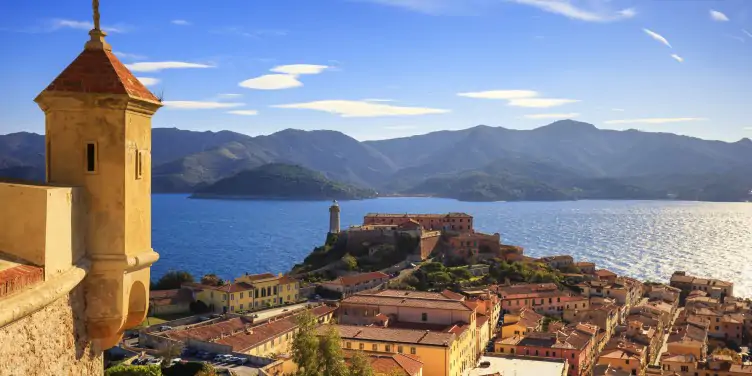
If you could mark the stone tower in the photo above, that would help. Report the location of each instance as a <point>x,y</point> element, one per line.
<point>98,138</point>
<point>334,218</point>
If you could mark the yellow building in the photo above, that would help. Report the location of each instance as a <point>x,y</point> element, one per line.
<point>232,297</point>
<point>271,290</point>
<point>77,251</point>
<point>520,323</point>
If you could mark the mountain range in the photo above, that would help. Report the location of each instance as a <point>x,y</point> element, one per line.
<point>563,160</point>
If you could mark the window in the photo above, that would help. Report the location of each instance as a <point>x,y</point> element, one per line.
<point>554,354</point>
<point>241,306</point>
<point>501,350</point>
<point>546,353</point>
<point>346,313</point>
<point>91,157</point>
<point>626,361</point>
<point>424,316</point>
<point>348,345</point>
<point>572,355</point>
<point>388,348</point>
<point>361,346</point>
<point>375,347</point>
<point>399,349</point>
<point>140,154</point>
<point>685,368</point>
<point>232,296</point>
<point>263,293</point>
<point>412,350</point>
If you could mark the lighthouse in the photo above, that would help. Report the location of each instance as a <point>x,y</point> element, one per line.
<point>334,218</point>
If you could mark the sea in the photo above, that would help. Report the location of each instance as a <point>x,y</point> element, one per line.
<point>647,240</point>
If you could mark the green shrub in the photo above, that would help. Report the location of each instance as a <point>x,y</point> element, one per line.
<point>131,370</point>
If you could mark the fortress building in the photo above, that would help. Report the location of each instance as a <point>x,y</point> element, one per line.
<point>75,253</point>
<point>456,222</point>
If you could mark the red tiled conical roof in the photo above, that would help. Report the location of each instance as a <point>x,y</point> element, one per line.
<point>99,71</point>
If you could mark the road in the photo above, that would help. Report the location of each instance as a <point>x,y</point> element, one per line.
<point>664,348</point>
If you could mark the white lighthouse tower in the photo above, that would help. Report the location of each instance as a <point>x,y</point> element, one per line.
<point>334,218</point>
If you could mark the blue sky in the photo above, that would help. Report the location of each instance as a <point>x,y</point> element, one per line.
<point>389,68</point>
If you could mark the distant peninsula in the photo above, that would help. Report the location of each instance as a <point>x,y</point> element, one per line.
<point>279,181</point>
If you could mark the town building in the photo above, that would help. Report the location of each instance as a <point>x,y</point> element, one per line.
<point>585,267</point>
<point>458,222</point>
<point>391,364</point>
<point>525,321</point>
<point>557,262</point>
<point>77,251</point>
<point>715,365</point>
<point>248,293</point>
<point>625,355</point>
<point>272,290</point>
<point>605,315</point>
<point>544,298</point>
<point>576,344</point>
<point>352,284</point>
<point>715,288</point>
<point>467,244</point>
<point>170,302</point>
<point>426,324</point>
<point>606,275</point>
<point>625,291</point>
<point>240,335</point>
<point>496,364</point>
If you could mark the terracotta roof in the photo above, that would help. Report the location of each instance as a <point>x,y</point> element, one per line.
<point>444,295</point>
<point>170,297</point>
<point>256,277</point>
<point>286,280</point>
<point>406,215</point>
<point>15,276</point>
<point>99,71</point>
<point>355,279</point>
<point>370,333</point>
<point>604,273</point>
<point>230,287</point>
<point>405,302</point>
<point>386,364</point>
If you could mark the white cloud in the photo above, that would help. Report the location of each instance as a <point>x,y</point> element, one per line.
<point>298,69</point>
<point>618,109</point>
<point>229,95</point>
<point>83,25</point>
<point>519,98</point>
<point>159,65</point>
<point>148,81</point>
<point>243,112</point>
<point>180,22</point>
<point>377,100</point>
<point>552,116</point>
<point>349,108</point>
<point>540,102</point>
<point>425,6</point>
<point>718,16</point>
<point>569,9</point>
<point>736,38</point>
<point>500,94</point>
<point>677,58</point>
<point>124,55</point>
<point>200,105</point>
<point>271,82</point>
<point>654,120</point>
<point>747,33</point>
<point>657,36</point>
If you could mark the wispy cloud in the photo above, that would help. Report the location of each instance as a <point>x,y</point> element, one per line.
<point>229,95</point>
<point>677,58</point>
<point>61,23</point>
<point>349,108</point>
<point>378,100</point>
<point>579,10</point>
<point>432,7</point>
<point>200,105</point>
<point>271,82</point>
<point>655,120</point>
<point>298,69</point>
<point>125,55</point>
<point>519,98</point>
<point>570,115</point>
<point>180,22</point>
<point>242,32</point>
<point>747,33</point>
<point>736,38</point>
<point>500,94</point>
<point>156,66</point>
<point>148,81</point>
<point>285,77</point>
<point>718,16</point>
<point>618,109</point>
<point>657,36</point>
<point>243,112</point>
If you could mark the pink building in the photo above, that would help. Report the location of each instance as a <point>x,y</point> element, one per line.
<point>460,222</point>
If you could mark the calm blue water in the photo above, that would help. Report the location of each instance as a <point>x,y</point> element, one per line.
<point>644,239</point>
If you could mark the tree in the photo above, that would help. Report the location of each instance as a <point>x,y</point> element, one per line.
<point>461,273</point>
<point>359,365</point>
<point>350,262</point>
<point>212,280</point>
<point>305,345</point>
<point>198,307</point>
<point>173,279</point>
<point>130,370</point>
<point>332,362</point>
<point>171,351</point>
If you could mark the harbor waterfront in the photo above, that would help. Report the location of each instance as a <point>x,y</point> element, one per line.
<point>647,240</point>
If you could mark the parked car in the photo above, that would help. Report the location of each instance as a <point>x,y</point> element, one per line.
<point>155,361</point>
<point>203,318</point>
<point>219,358</point>
<point>239,360</point>
<point>165,328</point>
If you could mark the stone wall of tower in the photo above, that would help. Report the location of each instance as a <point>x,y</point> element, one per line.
<point>334,219</point>
<point>51,341</point>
